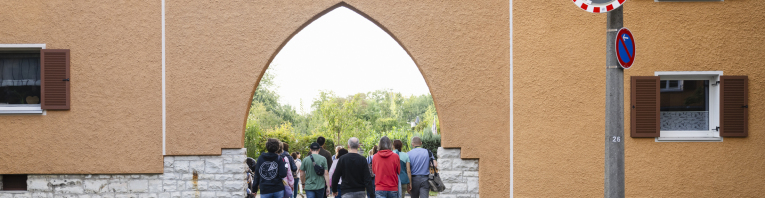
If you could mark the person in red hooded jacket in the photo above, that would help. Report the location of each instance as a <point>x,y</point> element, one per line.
<point>386,166</point>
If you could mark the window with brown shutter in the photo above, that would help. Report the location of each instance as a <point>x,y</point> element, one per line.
<point>645,99</point>
<point>734,107</point>
<point>14,182</point>
<point>54,75</point>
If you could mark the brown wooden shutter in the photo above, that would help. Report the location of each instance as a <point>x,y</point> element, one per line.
<point>734,107</point>
<point>644,110</point>
<point>54,75</point>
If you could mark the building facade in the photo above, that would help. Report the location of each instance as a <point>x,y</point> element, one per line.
<point>129,95</point>
<point>559,93</point>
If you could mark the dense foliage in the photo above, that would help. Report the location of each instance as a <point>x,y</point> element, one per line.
<point>368,116</point>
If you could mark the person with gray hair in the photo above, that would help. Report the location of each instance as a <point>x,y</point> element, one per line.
<point>353,170</point>
<point>386,166</point>
<point>353,143</point>
<point>419,160</point>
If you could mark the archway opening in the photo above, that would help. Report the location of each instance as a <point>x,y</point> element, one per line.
<point>341,76</point>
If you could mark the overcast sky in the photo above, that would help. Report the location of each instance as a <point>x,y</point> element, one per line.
<point>345,53</point>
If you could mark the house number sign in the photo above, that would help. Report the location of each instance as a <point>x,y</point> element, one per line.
<point>598,6</point>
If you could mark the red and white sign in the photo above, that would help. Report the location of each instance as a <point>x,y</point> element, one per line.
<point>598,6</point>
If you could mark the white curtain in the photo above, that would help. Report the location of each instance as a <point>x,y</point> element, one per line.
<point>19,70</point>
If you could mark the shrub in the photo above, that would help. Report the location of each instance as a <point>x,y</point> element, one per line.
<point>431,142</point>
<point>329,145</point>
<point>252,139</point>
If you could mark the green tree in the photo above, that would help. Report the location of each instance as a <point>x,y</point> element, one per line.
<point>266,96</point>
<point>252,137</point>
<point>341,116</point>
<point>368,116</point>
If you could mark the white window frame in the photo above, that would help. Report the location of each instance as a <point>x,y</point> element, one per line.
<point>6,109</point>
<point>672,89</point>
<point>712,135</point>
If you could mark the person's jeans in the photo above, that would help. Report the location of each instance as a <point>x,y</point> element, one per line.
<point>339,194</point>
<point>360,194</point>
<point>279,194</point>
<point>386,194</point>
<point>296,188</point>
<point>420,187</point>
<point>321,193</point>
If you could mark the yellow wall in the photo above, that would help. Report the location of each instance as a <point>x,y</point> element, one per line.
<point>115,121</point>
<point>559,99</point>
<point>216,52</point>
<point>703,36</point>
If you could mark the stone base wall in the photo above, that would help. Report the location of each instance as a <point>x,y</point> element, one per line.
<point>460,176</point>
<point>184,176</point>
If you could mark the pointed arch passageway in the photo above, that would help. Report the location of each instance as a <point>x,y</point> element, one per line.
<point>216,55</point>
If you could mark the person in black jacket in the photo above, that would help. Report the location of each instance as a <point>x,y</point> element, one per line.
<point>323,152</point>
<point>353,169</point>
<point>269,171</point>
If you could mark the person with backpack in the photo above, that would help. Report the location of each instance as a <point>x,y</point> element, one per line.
<point>289,179</point>
<point>269,171</point>
<point>386,166</point>
<point>323,152</point>
<point>420,160</point>
<point>286,152</point>
<point>315,174</point>
<point>404,177</point>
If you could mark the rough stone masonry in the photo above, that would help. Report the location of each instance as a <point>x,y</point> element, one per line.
<point>460,176</point>
<point>184,176</point>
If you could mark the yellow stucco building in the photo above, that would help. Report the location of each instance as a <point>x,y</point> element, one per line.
<point>132,109</point>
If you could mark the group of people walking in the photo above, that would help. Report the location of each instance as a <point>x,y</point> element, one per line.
<point>386,173</point>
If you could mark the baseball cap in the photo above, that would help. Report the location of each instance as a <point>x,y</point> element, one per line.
<point>315,146</point>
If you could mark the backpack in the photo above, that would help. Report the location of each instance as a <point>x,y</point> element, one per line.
<point>369,164</point>
<point>294,173</point>
<point>319,170</point>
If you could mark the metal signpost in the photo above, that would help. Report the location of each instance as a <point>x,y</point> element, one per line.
<point>614,151</point>
<point>614,173</point>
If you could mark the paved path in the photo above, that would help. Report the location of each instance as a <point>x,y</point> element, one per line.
<point>407,196</point>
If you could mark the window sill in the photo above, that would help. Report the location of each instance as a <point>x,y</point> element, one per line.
<point>20,109</point>
<point>689,139</point>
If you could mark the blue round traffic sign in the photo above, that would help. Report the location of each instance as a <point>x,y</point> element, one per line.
<point>625,48</point>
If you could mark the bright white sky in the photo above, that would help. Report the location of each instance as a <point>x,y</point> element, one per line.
<point>345,53</point>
